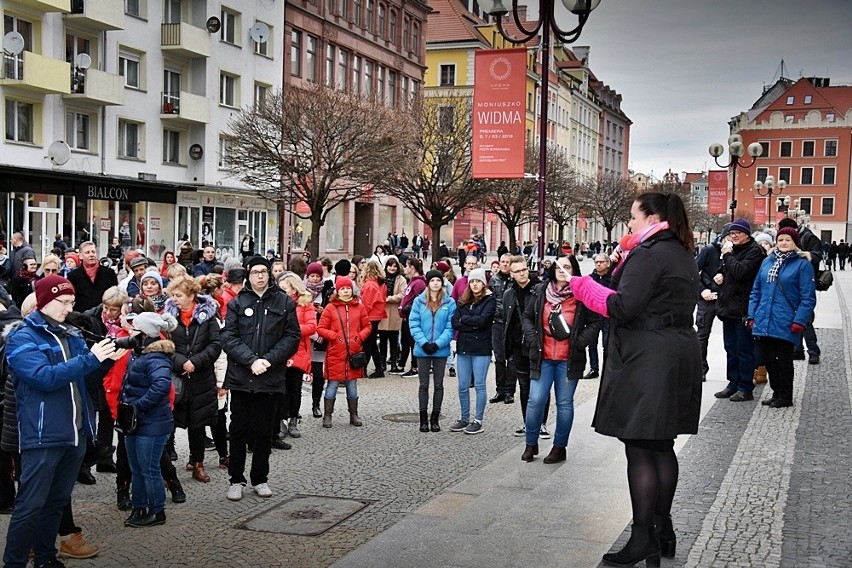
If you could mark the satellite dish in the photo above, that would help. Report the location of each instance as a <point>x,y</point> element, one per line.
<point>259,32</point>
<point>83,61</point>
<point>13,43</point>
<point>214,24</point>
<point>58,153</point>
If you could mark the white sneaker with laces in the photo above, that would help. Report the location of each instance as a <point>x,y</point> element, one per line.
<point>235,492</point>
<point>544,433</point>
<point>262,490</point>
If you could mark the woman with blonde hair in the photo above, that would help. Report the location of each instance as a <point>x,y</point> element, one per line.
<point>300,363</point>
<point>175,270</point>
<point>374,296</point>
<point>50,264</point>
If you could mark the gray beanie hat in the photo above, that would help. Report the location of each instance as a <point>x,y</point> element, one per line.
<point>152,323</point>
<point>762,237</point>
<point>477,274</point>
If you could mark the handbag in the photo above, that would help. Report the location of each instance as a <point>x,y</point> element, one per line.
<point>356,360</point>
<point>178,380</point>
<point>823,280</point>
<point>559,328</point>
<point>128,419</point>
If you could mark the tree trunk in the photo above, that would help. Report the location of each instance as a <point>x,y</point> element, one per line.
<point>436,243</point>
<point>283,237</point>
<point>609,229</point>
<point>316,226</point>
<point>561,234</point>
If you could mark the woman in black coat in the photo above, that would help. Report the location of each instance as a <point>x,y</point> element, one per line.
<point>651,386</point>
<point>197,347</point>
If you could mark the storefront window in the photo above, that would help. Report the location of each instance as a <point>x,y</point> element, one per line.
<point>408,224</point>
<point>4,220</point>
<point>386,216</point>
<point>102,221</point>
<point>307,227</point>
<point>189,224</point>
<point>161,235</point>
<point>334,229</point>
<point>226,226</point>
<point>68,219</point>
<point>83,227</point>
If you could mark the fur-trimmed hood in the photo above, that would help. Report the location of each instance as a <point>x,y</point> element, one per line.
<point>166,346</point>
<point>205,308</point>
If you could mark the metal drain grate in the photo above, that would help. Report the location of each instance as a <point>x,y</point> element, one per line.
<point>304,515</point>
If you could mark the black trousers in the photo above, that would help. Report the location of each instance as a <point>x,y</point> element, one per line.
<point>318,385</point>
<point>372,348</point>
<point>252,420</point>
<point>777,355</point>
<point>407,346</point>
<point>293,392</point>
<point>9,465</point>
<point>220,432</point>
<point>704,316</point>
<point>387,337</point>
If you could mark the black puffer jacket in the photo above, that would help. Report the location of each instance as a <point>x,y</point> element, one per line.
<point>474,322</point>
<point>9,319</point>
<point>739,269</point>
<point>198,343</point>
<point>259,327</point>
<point>498,284</point>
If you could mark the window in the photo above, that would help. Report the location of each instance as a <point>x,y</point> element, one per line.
<point>13,65</point>
<point>260,92</point>
<point>77,130</point>
<point>370,15</point>
<point>789,119</point>
<point>380,82</point>
<point>786,149</point>
<point>808,148</point>
<point>415,39</point>
<point>223,160</point>
<point>264,48</point>
<point>344,9</point>
<point>296,53</point>
<point>133,8</point>
<point>829,117</point>
<point>828,175</point>
<point>791,100</point>
<point>230,27</point>
<point>403,93</point>
<point>381,29</point>
<point>831,147</point>
<point>406,38</point>
<point>75,45</point>
<point>761,174</point>
<point>129,139</point>
<point>129,67</point>
<point>227,90</point>
<point>311,59</point>
<point>329,7</point>
<point>356,73</point>
<point>368,78</point>
<point>392,27</point>
<point>171,147</point>
<point>808,99</point>
<point>448,75</point>
<point>446,118</point>
<point>807,176</point>
<point>20,118</point>
<point>171,11</point>
<point>171,91</point>
<point>342,68</point>
<point>827,206</point>
<point>784,173</point>
<point>391,89</point>
<point>805,204</point>
<point>329,65</point>
<point>356,12</point>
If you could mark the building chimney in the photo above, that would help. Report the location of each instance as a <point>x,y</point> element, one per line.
<point>522,13</point>
<point>582,53</point>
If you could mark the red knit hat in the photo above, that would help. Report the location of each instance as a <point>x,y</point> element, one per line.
<point>343,282</point>
<point>790,232</point>
<point>51,287</point>
<point>314,268</point>
<point>74,256</point>
<point>443,266</point>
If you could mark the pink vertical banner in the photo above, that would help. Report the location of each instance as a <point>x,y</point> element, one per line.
<point>717,192</point>
<point>760,210</point>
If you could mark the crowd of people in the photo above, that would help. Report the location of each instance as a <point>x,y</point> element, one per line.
<point>100,366</point>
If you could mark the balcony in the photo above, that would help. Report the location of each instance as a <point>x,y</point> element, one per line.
<point>96,87</point>
<point>184,39</point>
<point>101,15</point>
<point>184,108</point>
<point>47,5</point>
<point>36,73</point>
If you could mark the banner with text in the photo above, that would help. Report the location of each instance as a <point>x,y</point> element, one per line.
<point>717,192</point>
<point>499,110</point>
<point>760,204</point>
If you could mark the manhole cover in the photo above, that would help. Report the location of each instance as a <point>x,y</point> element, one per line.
<point>305,515</point>
<point>407,417</point>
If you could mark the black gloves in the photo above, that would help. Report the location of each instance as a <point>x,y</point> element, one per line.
<point>430,348</point>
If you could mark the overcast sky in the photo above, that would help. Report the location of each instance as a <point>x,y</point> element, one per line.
<point>685,67</point>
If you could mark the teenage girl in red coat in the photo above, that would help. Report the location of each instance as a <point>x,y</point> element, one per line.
<point>343,322</point>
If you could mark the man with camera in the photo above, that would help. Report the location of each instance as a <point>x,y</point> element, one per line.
<point>261,333</point>
<point>49,363</point>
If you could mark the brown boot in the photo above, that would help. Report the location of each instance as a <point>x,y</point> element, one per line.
<point>556,454</point>
<point>198,472</point>
<point>75,546</point>
<point>760,375</point>
<point>353,412</point>
<point>329,410</point>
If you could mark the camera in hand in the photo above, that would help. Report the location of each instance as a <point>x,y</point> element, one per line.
<point>131,342</point>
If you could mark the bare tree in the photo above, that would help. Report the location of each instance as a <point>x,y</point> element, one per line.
<point>609,201</point>
<point>514,201</point>
<point>319,146</point>
<point>565,196</point>
<point>437,184</point>
<point>706,224</point>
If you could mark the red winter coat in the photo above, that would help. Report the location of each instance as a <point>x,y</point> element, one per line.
<point>374,297</point>
<point>301,359</point>
<point>115,378</point>
<point>358,330</point>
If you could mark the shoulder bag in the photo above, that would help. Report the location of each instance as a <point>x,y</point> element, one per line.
<point>356,360</point>
<point>178,380</point>
<point>127,420</point>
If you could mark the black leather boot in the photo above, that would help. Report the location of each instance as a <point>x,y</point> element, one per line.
<point>424,420</point>
<point>122,496</point>
<point>176,489</point>
<point>529,453</point>
<point>433,422</point>
<point>135,516</point>
<point>643,545</point>
<point>666,535</point>
<point>85,476</point>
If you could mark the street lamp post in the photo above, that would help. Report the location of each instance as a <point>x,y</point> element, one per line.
<point>546,23</point>
<point>736,150</point>
<point>783,204</point>
<point>767,188</point>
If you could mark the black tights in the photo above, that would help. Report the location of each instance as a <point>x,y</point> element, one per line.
<point>652,472</point>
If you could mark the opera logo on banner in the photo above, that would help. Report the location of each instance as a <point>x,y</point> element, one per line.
<point>717,192</point>
<point>760,204</point>
<point>499,109</point>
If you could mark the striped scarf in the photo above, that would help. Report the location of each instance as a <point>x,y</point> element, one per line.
<point>780,259</point>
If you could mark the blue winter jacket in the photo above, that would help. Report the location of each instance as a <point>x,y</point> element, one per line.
<point>148,385</point>
<point>42,378</point>
<point>774,309</point>
<point>427,327</point>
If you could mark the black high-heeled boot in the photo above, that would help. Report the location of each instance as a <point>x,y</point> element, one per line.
<point>424,420</point>
<point>666,535</point>
<point>643,545</point>
<point>434,425</point>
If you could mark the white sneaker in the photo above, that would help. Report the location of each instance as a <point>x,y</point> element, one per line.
<point>262,490</point>
<point>235,492</point>
<point>522,431</point>
<point>543,433</point>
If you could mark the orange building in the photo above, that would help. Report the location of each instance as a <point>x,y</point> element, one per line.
<point>804,128</point>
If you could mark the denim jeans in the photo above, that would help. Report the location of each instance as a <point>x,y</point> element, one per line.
<point>739,346</point>
<point>553,373</point>
<point>476,365</point>
<point>351,389</point>
<point>46,481</point>
<point>143,453</point>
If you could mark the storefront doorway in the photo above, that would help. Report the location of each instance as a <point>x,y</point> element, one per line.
<point>42,227</point>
